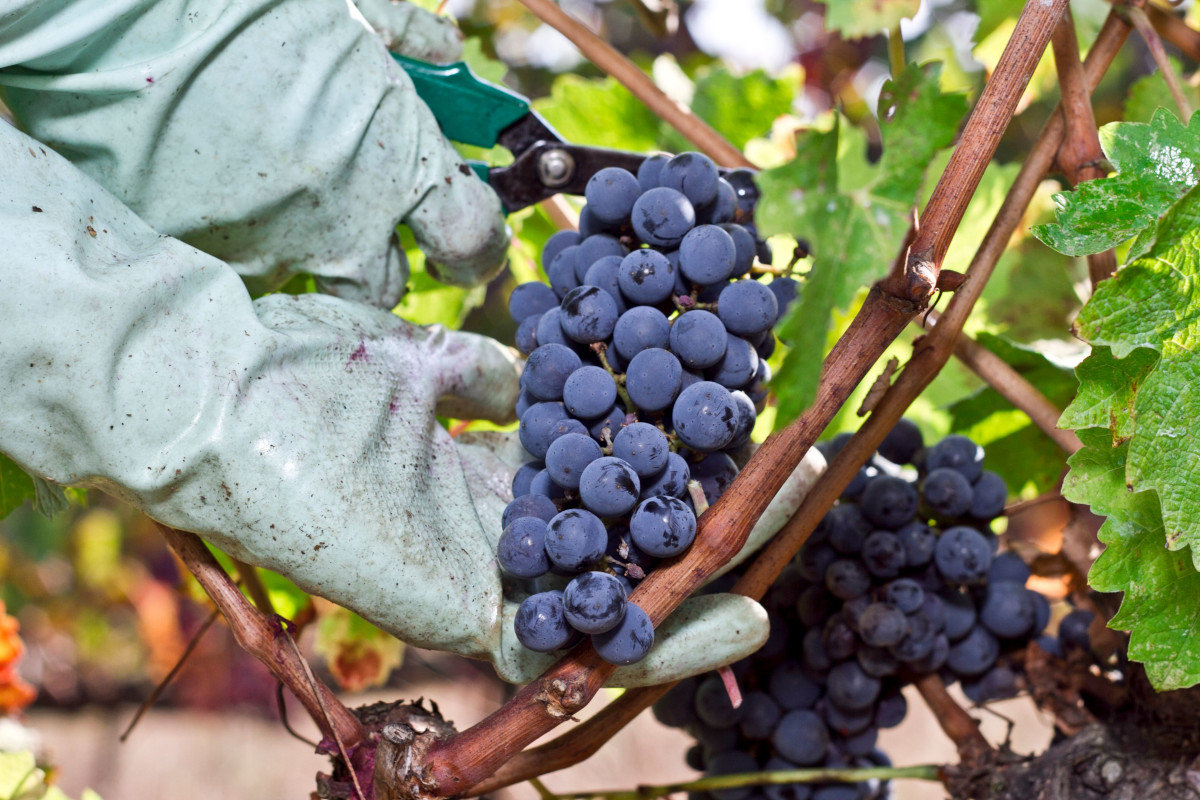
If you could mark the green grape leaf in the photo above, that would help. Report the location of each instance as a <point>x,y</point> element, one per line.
<point>15,486</point>
<point>1107,387</point>
<point>1155,162</point>
<point>760,100</point>
<point>853,214</point>
<point>1016,448</point>
<point>1150,93</point>
<point>857,18</point>
<point>1160,586</point>
<point>601,113</point>
<point>918,120</point>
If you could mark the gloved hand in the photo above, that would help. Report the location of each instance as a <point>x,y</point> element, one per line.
<point>296,433</point>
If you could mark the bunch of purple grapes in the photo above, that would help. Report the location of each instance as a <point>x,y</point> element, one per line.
<point>901,579</point>
<point>646,369</point>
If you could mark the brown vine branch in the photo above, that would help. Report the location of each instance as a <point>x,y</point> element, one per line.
<point>956,723</point>
<point>989,119</point>
<point>250,579</point>
<point>1080,156</point>
<point>258,634</point>
<point>1175,31</point>
<point>1154,44</point>
<point>585,739</point>
<point>1013,387</point>
<point>607,58</point>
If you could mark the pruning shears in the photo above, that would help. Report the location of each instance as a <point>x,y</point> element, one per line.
<point>473,111</point>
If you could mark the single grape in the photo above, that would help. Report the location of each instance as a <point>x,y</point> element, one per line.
<point>526,335</point>
<point>989,494</point>
<point>589,392</point>
<point>671,481</point>
<point>609,487</point>
<point>705,416</point>
<point>959,614</point>
<point>1008,610</point>
<point>918,643</point>
<point>902,442</point>
<point>1008,568</point>
<point>760,715</point>
<point>646,277</point>
<point>742,181</point>
<point>845,722</point>
<point>845,528</point>
<point>596,248</point>
<point>594,602</point>
<point>737,367</point>
<point>538,425</point>
<point>629,641</point>
<point>786,290</point>
<point>905,594</point>
<point>947,493</point>
<point>744,247</point>
<point>693,174</point>
<point>847,578</point>
<point>528,505</point>
<point>541,484</point>
<point>521,550</point>
<point>641,328</point>
<point>919,542</point>
<point>713,705</point>
<point>568,456</point>
<point>877,662</point>
<point>663,526</point>
<point>574,539</point>
<point>959,453</point>
<point>747,308</point>
<point>547,369</point>
<point>649,170</point>
<point>653,378</point>
<point>850,688</point>
<point>815,557</point>
<point>557,242</point>
<point>604,429</point>
<point>589,314</point>
<point>801,737</point>
<point>890,710</point>
<point>881,625</point>
<point>936,658</point>
<point>677,707</point>
<point>791,688</point>
<point>889,501</point>
<point>524,476</point>
<point>662,216</point>
<point>540,624</point>
<point>974,654</point>
<point>561,271</point>
<point>963,555</point>
<point>529,299</point>
<point>883,554</point>
<point>698,338</point>
<point>549,328</point>
<point>722,208</point>
<point>644,447</point>
<point>1073,630</point>
<point>747,416</point>
<point>707,255</point>
<point>611,193</point>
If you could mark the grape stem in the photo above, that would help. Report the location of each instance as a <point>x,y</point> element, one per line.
<point>1154,44</point>
<point>1176,31</point>
<point>699,500</point>
<point>923,772</point>
<point>601,350</point>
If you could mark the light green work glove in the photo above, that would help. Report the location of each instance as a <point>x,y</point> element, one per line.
<point>296,433</point>
<point>277,136</point>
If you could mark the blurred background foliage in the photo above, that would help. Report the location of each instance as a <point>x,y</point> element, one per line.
<point>106,611</point>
